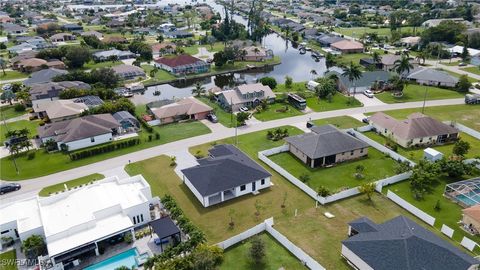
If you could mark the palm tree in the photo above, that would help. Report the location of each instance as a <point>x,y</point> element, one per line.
<point>160,38</point>
<point>376,57</point>
<point>256,51</point>
<point>313,72</point>
<point>198,90</point>
<point>403,65</point>
<point>353,73</point>
<point>3,64</point>
<point>422,55</point>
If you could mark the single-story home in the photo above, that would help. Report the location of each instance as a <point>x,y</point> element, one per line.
<point>388,62</point>
<point>80,132</point>
<point>430,76</point>
<point>410,41</point>
<point>92,33</point>
<point>115,39</point>
<point>436,22</point>
<point>14,29</point>
<point>186,108</point>
<point>226,174</point>
<point>417,130</point>
<point>89,100</point>
<point>245,95</point>
<point>182,64</point>
<point>256,53</point>
<point>35,64</point>
<point>22,56</point>
<point>159,49</point>
<point>347,46</point>
<point>360,85</point>
<point>326,145</point>
<point>51,90</point>
<point>61,37</point>
<point>43,76</point>
<point>471,218</point>
<point>107,55</point>
<point>59,109</point>
<point>72,27</point>
<point>400,243</point>
<point>128,72</point>
<point>128,122</point>
<point>326,39</point>
<point>178,34</point>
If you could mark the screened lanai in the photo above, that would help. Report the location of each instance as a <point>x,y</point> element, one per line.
<point>466,193</point>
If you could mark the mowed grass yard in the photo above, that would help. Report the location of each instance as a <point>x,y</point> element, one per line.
<point>47,191</point>
<point>58,161</point>
<point>339,101</point>
<point>468,115</point>
<point>342,122</point>
<point>415,92</point>
<point>358,31</point>
<point>277,111</point>
<point>12,75</point>
<point>310,229</point>
<point>9,111</point>
<point>342,175</point>
<point>474,70</point>
<point>225,118</point>
<point>7,260</point>
<point>30,125</point>
<point>450,212</point>
<point>416,154</point>
<point>276,256</point>
<point>160,75</point>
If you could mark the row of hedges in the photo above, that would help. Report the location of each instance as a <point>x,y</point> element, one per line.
<point>196,236</point>
<point>104,149</point>
<point>145,125</point>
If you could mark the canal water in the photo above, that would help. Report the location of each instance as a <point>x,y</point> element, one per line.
<point>293,64</point>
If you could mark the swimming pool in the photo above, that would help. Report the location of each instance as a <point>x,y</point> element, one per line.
<point>126,258</point>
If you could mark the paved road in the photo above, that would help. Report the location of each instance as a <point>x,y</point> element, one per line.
<point>456,69</point>
<point>32,186</point>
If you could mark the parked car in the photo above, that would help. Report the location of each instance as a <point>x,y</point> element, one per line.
<point>365,120</point>
<point>9,187</point>
<point>213,118</point>
<point>368,93</point>
<point>472,99</point>
<point>244,109</point>
<point>462,64</point>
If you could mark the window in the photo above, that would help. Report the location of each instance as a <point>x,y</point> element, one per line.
<point>135,220</point>
<point>421,140</point>
<point>262,182</point>
<point>4,232</point>
<point>141,217</point>
<point>351,153</point>
<point>361,150</point>
<point>92,139</point>
<point>243,187</point>
<point>385,131</point>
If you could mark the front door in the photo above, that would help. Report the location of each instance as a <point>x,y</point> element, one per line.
<point>254,186</point>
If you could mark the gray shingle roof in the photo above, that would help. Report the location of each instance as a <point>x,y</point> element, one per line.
<point>433,75</point>
<point>324,141</point>
<point>227,168</point>
<point>402,244</point>
<point>44,75</point>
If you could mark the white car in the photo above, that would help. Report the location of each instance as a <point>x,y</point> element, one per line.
<point>244,109</point>
<point>368,93</point>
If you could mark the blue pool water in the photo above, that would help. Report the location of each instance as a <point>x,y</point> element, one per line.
<point>466,200</point>
<point>126,258</point>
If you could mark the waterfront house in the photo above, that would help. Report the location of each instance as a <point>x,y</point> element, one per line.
<point>245,95</point>
<point>186,108</point>
<point>182,64</point>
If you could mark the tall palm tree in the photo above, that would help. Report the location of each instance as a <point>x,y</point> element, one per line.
<point>314,73</point>
<point>402,65</point>
<point>256,51</point>
<point>422,55</point>
<point>376,57</point>
<point>198,90</point>
<point>353,73</point>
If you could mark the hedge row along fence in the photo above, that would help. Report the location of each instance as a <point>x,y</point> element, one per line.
<point>145,125</point>
<point>104,149</point>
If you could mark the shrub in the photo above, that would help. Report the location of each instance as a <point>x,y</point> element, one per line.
<point>157,136</point>
<point>104,149</point>
<point>19,107</point>
<point>304,177</point>
<point>31,155</point>
<point>150,138</point>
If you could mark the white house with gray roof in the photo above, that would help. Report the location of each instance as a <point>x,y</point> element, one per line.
<point>106,55</point>
<point>226,174</point>
<point>326,145</point>
<point>246,95</point>
<point>430,76</point>
<point>402,244</point>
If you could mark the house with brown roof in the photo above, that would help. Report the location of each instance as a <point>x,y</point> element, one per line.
<point>187,108</point>
<point>471,218</point>
<point>256,53</point>
<point>417,130</point>
<point>58,110</point>
<point>347,46</point>
<point>35,64</point>
<point>114,39</point>
<point>245,95</point>
<point>128,72</point>
<point>80,132</point>
<point>62,37</point>
<point>159,49</point>
<point>182,64</point>
<point>92,33</point>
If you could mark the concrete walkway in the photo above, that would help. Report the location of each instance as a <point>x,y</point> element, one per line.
<point>18,118</point>
<point>31,185</point>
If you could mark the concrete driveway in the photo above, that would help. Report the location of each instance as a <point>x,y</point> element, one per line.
<point>367,102</point>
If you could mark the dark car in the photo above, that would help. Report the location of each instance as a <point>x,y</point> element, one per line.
<point>213,118</point>
<point>9,187</point>
<point>365,120</point>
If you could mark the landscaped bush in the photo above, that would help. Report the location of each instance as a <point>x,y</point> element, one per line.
<point>31,155</point>
<point>145,125</point>
<point>277,134</point>
<point>103,149</point>
<point>19,107</point>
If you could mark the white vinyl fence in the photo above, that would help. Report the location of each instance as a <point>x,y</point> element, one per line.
<point>379,146</point>
<point>410,208</point>
<point>267,226</point>
<point>364,128</point>
<point>465,129</point>
<point>392,180</point>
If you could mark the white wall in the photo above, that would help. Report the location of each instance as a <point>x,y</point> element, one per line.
<point>249,187</point>
<point>83,143</point>
<point>410,208</point>
<point>203,201</point>
<point>352,258</point>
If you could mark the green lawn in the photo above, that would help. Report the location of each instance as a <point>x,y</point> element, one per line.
<point>7,260</point>
<point>8,112</point>
<point>296,87</point>
<point>474,70</point>
<point>454,74</point>
<point>342,175</point>
<point>341,122</point>
<point>94,65</point>
<point>218,46</point>
<point>339,101</point>
<point>358,31</point>
<point>309,230</point>
<point>46,191</point>
<point>346,59</point>
<point>30,125</point>
<point>59,162</point>
<point>225,118</point>
<point>449,213</point>
<point>161,74</point>
<point>417,154</point>
<point>415,92</point>
<point>468,115</point>
<point>277,111</point>
<point>276,256</point>
<point>11,75</point>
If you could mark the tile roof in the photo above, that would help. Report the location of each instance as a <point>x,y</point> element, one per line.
<point>185,106</point>
<point>324,141</point>
<point>347,45</point>
<point>473,212</point>
<point>180,60</point>
<point>62,108</point>
<point>402,244</point>
<point>228,168</point>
